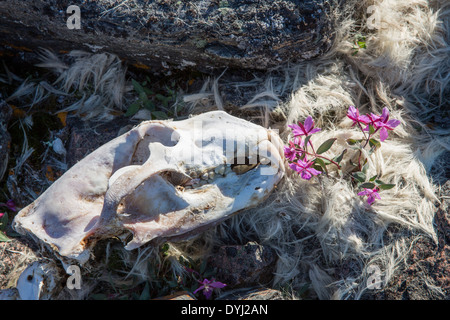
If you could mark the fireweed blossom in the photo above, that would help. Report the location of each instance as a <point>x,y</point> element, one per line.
<point>371,195</point>
<point>208,287</point>
<point>383,123</point>
<point>353,114</point>
<point>304,169</point>
<point>291,151</point>
<point>305,129</point>
<point>306,162</point>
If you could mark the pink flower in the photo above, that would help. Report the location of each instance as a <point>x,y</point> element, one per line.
<point>304,129</point>
<point>1,215</point>
<point>208,287</point>
<point>383,123</point>
<point>304,169</point>
<point>353,114</point>
<point>371,194</point>
<point>10,205</point>
<point>290,152</point>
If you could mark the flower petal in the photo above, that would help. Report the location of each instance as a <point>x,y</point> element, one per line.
<point>305,175</point>
<point>391,124</point>
<point>385,115</point>
<point>364,119</point>
<point>198,289</point>
<point>217,284</point>
<point>309,124</point>
<point>364,192</point>
<point>295,167</point>
<point>207,292</point>
<point>314,171</point>
<point>383,134</point>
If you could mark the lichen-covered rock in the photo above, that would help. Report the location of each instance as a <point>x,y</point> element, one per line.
<point>172,34</point>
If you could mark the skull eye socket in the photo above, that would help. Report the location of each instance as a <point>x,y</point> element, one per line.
<point>159,133</point>
<point>165,135</point>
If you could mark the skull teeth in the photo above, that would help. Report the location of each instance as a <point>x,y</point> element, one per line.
<point>201,178</point>
<point>204,176</point>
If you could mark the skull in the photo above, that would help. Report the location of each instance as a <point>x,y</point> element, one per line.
<point>162,179</point>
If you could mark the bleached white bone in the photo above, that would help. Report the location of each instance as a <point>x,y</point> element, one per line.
<point>161,179</point>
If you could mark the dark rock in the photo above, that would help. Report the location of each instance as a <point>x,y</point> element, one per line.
<point>247,265</point>
<point>172,34</point>
<point>5,138</point>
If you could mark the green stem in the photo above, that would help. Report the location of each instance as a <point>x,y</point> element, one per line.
<point>365,144</point>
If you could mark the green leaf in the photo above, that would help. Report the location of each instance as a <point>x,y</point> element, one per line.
<point>339,158</point>
<point>159,115</point>
<point>179,107</point>
<point>364,168</point>
<point>98,296</point>
<point>137,86</point>
<point>379,182</point>
<point>145,294</point>
<point>368,185</point>
<point>373,178</point>
<point>132,109</point>
<point>143,96</point>
<point>362,44</point>
<point>371,129</point>
<point>321,164</point>
<point>202,267</point>
<point>148,91</point>
<point>3,237</point>
<point>326,145</point>
<point>374,143</point>
<point>360,176</point>
<point>353,141</point>
<point>160,97</point>
<point>386,186</point>
<point>307,141</point>
<point>149,105</point>
<point>319,168</point>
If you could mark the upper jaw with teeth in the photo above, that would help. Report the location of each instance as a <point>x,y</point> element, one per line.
<point>161,179</point>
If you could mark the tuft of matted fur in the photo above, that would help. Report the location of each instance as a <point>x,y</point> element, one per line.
<point>95,83</point>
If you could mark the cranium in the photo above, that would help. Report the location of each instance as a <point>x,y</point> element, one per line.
<point>162,179</point>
